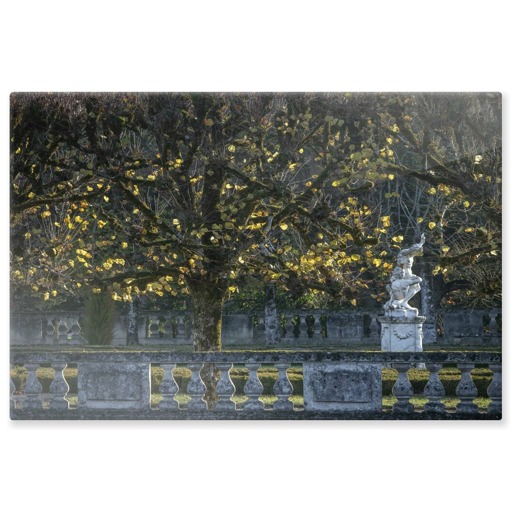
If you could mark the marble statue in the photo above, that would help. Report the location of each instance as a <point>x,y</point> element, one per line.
<point>404,284</point>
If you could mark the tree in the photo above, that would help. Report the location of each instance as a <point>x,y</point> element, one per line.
<point>188,192</point>
<point>447,162</point>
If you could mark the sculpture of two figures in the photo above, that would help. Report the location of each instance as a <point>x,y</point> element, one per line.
<point>404,284</point>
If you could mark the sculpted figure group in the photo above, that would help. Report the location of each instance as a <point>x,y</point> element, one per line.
<point>404,284</point>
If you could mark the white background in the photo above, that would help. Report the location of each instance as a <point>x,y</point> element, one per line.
<point>244,46</point>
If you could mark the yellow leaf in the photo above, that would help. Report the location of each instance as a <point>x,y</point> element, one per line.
<point>377,262</point>
<point>391,177</point>
<point>466,204</point>
<point>232,289</point>
<point>124,245</point>
<point>231,148</point>
<point>419,220</point>
<point>283,226</point>
<point>431,225</point>
<point>445,248</point>
<point>431,191</point>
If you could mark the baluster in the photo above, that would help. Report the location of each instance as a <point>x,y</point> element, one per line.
<point>374,327</point>
<point>62,330</point>
<point>466,390</point>
<point>75,328</point>
<point>297,328</point>
<point>44,329</point>
<point>253,388</point>
<point>33,388</point>
<point>51,331</point>
<point>494,390</point>
<point>168,388</point>
<point>434,389</point>
<point>153,327</point>
<point>180,326</point>
<point>59,388</point>
<point>162,327</point>
<point>403,389</point>
<point>225,388</point>
<point>196,388</point>
<point>12,386</point>
<point>303,324</point>
<point>493,324</point>
<point>187,326</point>
<point>283,389</point>
<point>283,321</point>
<point>12,389</point>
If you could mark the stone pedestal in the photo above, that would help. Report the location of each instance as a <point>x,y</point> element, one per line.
<point>401,333</point>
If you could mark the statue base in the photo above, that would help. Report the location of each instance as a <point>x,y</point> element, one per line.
<point>401,332</point>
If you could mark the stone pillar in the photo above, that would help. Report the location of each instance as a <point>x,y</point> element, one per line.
<point>434,389</point>
<point>494,389</point>
<point>253,388</point>
<point>33,388</point>
<point>225,388</point>
<point>196,388</point>
<point>403,389</point>
<point>168,388</point>
<point>401,334</point>
<point>283,389</point>
<point>466,390</point>
<point>59,388</point>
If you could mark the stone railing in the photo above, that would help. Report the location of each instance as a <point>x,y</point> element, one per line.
<point>119,384</point>
<point>297,328</point>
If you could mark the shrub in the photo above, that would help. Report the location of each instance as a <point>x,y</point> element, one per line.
<point>99,318</point>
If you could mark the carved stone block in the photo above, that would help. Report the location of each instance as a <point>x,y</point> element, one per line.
<point>113,386</point>
<point>401,334</point>
<point>342,387</point>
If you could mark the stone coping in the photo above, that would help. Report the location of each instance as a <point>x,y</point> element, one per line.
<point>182,415</point>
<point>24,355</point>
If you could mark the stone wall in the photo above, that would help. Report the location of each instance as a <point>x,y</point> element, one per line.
<point>297,328</point>
<point>118,384</point>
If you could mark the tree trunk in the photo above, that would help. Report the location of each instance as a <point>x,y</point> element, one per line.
<point>132,333</point>
<point>427,304</point>
<point>271,318</point>
<point>207,302</point>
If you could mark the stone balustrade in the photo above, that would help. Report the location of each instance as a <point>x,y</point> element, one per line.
<point>297,328</point>
<point>120,384</point>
